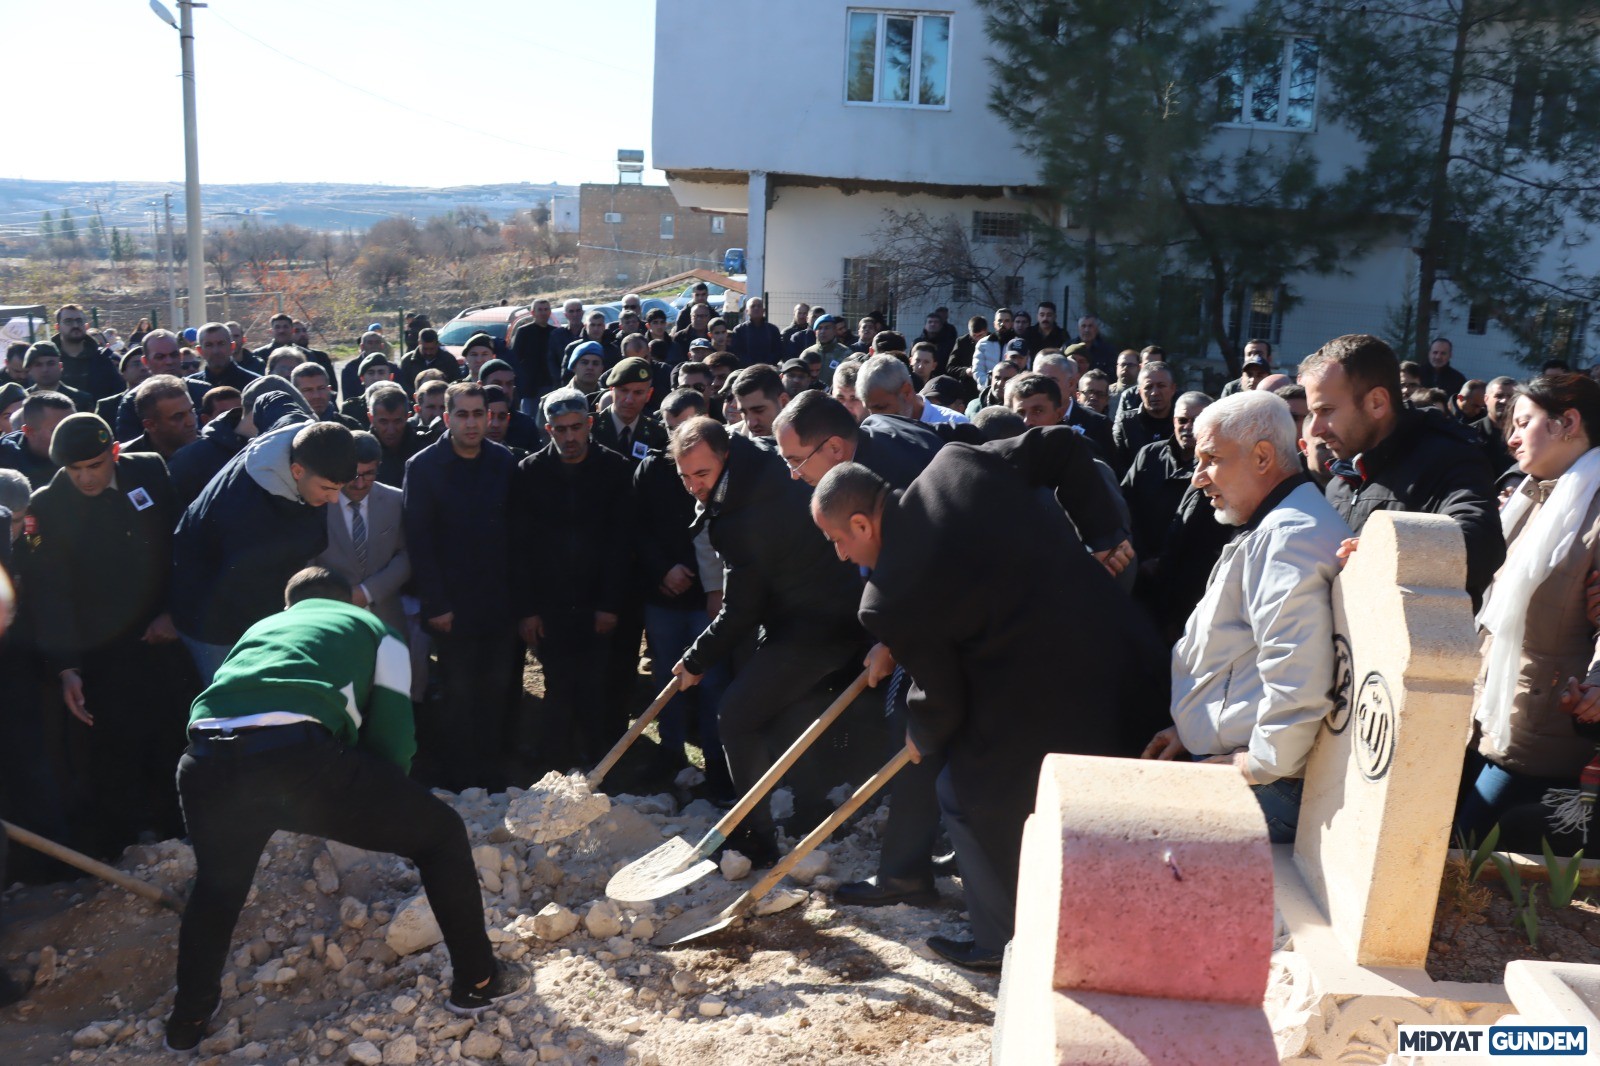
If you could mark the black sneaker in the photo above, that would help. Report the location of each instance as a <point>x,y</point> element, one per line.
<point>185,1034</point>
<point>469,1001</point>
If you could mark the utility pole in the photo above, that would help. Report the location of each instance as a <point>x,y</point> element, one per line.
<point>191,169</point>
<point>172,281</point>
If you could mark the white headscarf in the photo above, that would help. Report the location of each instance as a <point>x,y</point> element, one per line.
<point>1533,556</point>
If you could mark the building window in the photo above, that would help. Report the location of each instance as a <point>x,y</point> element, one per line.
<point>1542,111</point>
<point>996,225</point>
<point>1014,291</point>
<point>897,57</point>
<point>613,218</point>
<point>961,291</point>
<point>666,227</point>
<point>1259,313</point>
<point>1271,86</point>
<point>718,224</point>
<point>866,287</point>
<point>1478,319</point>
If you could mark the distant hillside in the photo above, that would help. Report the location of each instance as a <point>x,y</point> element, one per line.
<point>317,205</point>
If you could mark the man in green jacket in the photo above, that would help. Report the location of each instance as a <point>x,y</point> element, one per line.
<point>307,728</point>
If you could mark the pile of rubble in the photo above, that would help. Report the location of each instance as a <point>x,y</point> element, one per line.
<point>338,958</point>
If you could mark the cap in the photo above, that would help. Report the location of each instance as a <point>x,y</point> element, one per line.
<point>11,393</point>
<point>942,390</point>
<point>1079,348</point>
<point>794,364</point>
<point>830,319</point>
<point>699,343</point>
<point>811,356</point>
<point>191,334</point>
<point>586,348</point>
<point>567,401</point>
<point>40,350</point>
<point>494,366</point>
<point>79,437</point>
<point>1256,359</point>
<point>376,327</point>
<point>376,359</point>
<point>1016,345</point>
<point>478,340</point>
<point>631,371</point>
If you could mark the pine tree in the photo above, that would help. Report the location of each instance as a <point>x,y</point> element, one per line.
<point>1481,120</point>
<point>97,235</point>
<point>47,228</point>
<point>68,230</point>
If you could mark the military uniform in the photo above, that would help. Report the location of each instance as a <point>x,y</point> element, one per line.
<point>98,568</point>
<point>648,434</point>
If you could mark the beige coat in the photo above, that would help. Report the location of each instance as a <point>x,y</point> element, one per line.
<point>1558,642</point>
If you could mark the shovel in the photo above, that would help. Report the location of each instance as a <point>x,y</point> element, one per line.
<point>677,863</point>
<point>605,765</point>
<point>144,889</point>
<point>707,919</point>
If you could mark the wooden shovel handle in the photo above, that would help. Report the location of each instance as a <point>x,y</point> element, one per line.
<point>827,828</point>
<point>154,893</point>
<point>605,765</point>
<point>731,820</point>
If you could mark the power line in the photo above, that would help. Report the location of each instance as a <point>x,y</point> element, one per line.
<point>396,103</point>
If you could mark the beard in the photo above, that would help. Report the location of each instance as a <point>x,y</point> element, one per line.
<point>1226,516</point>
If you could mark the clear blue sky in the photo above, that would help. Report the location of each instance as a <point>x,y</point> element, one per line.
<point>474,91</point>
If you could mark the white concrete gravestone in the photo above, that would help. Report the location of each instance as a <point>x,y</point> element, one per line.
<point>1380,786</point>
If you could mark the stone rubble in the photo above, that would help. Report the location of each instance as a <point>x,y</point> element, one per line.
<point>338,957</point>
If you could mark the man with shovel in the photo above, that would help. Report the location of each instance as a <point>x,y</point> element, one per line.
<point>986,660</point>
<point>781,581</point>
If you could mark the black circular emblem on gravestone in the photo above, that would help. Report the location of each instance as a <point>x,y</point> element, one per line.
<point>1343,685</point>
<point>1374,727</point>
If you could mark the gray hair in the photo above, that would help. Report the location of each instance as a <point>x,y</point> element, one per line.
<point>378,396</point>
<point>882,372</point>
<point>305,370</point>
<point>14,491</point>
<point>1250,417</point>
<point>565,401</point>
<point>160,335</point>
<point>1194,397</point>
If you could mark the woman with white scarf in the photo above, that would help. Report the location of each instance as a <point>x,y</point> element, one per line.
<point>1537,700</point>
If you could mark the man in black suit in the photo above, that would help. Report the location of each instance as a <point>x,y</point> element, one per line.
<point>1092,424</point>
<point>625,427</point>
<point>978,656</point>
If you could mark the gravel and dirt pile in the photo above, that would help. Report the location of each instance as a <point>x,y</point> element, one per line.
<point>337,958</point>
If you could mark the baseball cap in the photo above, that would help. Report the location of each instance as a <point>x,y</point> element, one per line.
<point>701,342</point>
<point>1255,359</point>
<point>831,319</point>
<point>794,364</point>
<point>1016,345</point>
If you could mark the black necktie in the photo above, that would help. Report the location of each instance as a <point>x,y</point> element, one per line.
<point>625,439</point>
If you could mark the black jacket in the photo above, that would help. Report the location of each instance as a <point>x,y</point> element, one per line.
<point>663,536</point>
<point>974,650</point>
<point>1446,377</point>
<point>457,517</point>
<point>758,343</point>
<point>392,467</point>
<point>233,374</point>
<point>126,425</point>
<point>1154,486</point>
<point>536,356</point>
<point>1037,340</point>
<point>194,465</point>
<point>1188,553</point>
<point>14,455</point>
<point>91,371</point>
<point>1434,465</point>
<point>573,527</point>
<point>1494,446</point>
<point>415,363</point>
<point>1132,431</point>
<point>896,449</point>
<point>782,575</point>
<point>100,565</point>
<point>1095,426</point>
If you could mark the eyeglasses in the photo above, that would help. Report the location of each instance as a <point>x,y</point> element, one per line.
<point>795,468</point>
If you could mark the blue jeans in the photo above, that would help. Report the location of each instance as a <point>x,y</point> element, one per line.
<point>207,658</point>
<point>1280,803</point>
<point>670,632</point>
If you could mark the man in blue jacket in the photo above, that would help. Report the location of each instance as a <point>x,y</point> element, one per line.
<point>256,524</point>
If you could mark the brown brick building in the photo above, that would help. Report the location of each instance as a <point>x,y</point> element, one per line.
<point>631,233</point>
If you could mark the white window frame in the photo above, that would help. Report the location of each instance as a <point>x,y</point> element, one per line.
<point>669,227</point>
<point>997,220</point>
<point>916,56</point>
<point>613,218</point>
<point>1285,72</point>
<point>719,224</point>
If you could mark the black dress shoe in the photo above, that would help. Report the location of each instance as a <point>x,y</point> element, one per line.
<point>886,892</point>
<point>761,848</point>
<point>945,866</point>
<point>967,954</point>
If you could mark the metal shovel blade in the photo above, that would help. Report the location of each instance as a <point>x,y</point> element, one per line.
<point>700,921</point>
<point>672,866</point>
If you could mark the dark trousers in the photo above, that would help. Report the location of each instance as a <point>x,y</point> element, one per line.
<point>988,851</point>
<point>233,802</point>
<point>30,791</point>
<point>575,728</point>
<point>779,674</point>
<point>476,675</point>
<point>912,828</point>
<point>138,695</point>
<point>622,675</point>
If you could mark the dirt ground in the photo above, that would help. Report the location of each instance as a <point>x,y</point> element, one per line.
<point>325,969</point>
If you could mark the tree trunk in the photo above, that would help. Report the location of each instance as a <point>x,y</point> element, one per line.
<point>1439,192</point>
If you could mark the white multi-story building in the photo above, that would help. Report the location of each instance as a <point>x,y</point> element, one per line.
<point>831,113</point>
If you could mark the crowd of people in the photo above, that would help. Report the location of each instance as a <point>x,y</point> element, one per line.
<point>759,512</point>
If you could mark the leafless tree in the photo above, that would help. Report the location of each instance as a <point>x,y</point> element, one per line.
<point>930,254</point>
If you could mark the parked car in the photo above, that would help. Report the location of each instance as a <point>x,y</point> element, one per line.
<point>733,261</point>
<point>499,322</point>
<point>613,310</point>
<point>714,293</point>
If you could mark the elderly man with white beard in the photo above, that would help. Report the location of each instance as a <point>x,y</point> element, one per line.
<point>1253,673</point>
